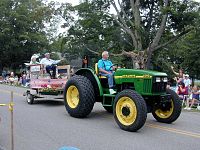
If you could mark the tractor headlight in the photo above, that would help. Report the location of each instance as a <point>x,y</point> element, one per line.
<point>165,79</point>
<point>158,79</point>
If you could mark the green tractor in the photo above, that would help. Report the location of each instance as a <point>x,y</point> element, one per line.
<point>138,92</point>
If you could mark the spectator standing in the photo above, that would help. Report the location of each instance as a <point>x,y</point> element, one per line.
<point>182,90</point>
<point>187,81</point>
<point>85,62</point>
<point>23,78</point>
<point>179,75</point>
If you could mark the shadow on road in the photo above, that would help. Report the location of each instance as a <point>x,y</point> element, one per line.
<point>99,114</point>
<point>94,115</point>
<point>48,102</point>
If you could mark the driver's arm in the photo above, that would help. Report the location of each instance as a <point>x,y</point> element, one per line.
<point>104,71</point>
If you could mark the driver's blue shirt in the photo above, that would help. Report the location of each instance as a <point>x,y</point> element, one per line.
<point>105,64</point>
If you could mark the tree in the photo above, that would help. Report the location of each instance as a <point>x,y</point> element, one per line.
<point>93,31</point>
<point>22,24</point>
<point>184,54</point>
<point>139,27</point>
<point>148,23</point>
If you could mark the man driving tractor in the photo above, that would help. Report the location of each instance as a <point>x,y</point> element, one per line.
<point>105,67</point>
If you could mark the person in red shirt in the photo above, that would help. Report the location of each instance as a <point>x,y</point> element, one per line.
<point>182,90</point>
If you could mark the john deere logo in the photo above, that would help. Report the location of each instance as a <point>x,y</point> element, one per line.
<point>134,76</point>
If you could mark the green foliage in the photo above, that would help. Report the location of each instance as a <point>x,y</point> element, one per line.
<point>191,54</point>
<point>183,54</point>
<point>91,29</point>
<point>183,14</point>
<point>22,24</point>
<point>94,28</point>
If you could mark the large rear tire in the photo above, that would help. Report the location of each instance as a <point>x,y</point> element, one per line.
<point>170,111</point>
<point>79,96</point>
<point>130,110</point>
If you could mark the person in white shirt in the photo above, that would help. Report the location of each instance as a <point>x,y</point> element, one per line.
<point>187,81</point>
<point>49,64</point>
<point>33,60</point>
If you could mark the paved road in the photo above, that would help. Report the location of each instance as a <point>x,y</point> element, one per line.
<point>46,126</point>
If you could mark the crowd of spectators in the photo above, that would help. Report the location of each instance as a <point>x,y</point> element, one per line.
<point>188,93</point>
<point>12,78</point>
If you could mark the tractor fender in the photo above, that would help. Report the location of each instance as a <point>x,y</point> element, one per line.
<point>91,75</point>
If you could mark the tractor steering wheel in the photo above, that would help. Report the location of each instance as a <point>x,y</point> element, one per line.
<point>117,66</point>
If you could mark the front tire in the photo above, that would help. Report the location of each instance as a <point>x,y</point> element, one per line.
<point>130,110</point>
<point>79,96</point>
<point>30,98</point>
<point>169,113</point>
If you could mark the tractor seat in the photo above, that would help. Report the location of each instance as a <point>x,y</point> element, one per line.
<point>97,72</point>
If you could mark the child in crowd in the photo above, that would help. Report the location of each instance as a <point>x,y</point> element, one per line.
<point>11,78</point>
<point>194,97</point>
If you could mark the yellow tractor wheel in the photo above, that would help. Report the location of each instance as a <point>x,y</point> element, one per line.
<point>79,96</point>
<point>130,110</point>
<point>168,112</point>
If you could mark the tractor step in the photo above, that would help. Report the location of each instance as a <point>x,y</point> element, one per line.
<point>108,99</point>
<point>107,105</point>
<point>108,95</point>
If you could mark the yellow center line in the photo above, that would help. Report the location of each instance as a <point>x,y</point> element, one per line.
<point>6,91</point>
<point>191,134</point>
<point>173,130</point>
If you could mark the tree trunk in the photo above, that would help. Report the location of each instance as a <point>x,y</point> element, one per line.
<point>133,62</point>
<point>138,59</point>
<point>149,58</point>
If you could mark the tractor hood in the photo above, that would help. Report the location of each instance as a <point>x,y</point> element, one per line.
<point>138,73</point>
